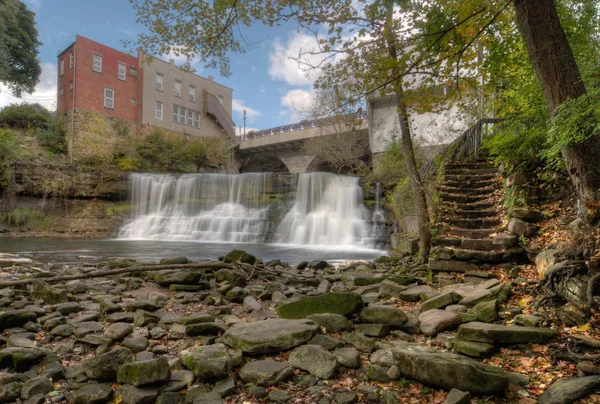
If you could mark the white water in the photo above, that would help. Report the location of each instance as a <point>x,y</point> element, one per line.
<point>198,207</point>
<point>328,211</point>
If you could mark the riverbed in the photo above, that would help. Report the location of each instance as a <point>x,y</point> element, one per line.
<point>65,250</point>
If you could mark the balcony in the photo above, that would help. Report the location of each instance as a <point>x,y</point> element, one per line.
<point>213,107</point>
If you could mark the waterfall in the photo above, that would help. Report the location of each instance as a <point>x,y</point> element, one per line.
<point>198,207</point>
<point>328,211</point>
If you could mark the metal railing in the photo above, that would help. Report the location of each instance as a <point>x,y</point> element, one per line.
<point>305,124</point>
<point>466,145</point>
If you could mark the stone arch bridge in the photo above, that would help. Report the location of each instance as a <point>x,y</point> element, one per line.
<point>281,149</point>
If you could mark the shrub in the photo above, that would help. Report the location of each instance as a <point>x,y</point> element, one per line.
<point>53,138</point>
<point>24,116</point>
<point>8,156</point>
<point>22,217</point>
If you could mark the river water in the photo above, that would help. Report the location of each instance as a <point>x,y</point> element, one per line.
<point>65,250</point>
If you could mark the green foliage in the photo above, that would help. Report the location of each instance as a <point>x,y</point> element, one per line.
<point>390,168</point>
<point>118,209</point>
<point>9,152</point>
<point>574,122</point>
<point>19,64</point>
<point>401,199</point>
<point>54,137</point>
<point>24,217</point>
<point>25,116</point>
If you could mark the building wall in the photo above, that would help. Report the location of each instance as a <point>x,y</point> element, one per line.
<point>90,85</point>
<point>171,73</point>
<point>64,101</point>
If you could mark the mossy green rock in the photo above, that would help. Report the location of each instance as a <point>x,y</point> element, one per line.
<point>21,359</point>
<point>501,334</point>
<point>485,312</point>
<point>174,261</point>
<point>240,256</point>
<point>106,365</point>
<point>441,301</point>
<point>271,335</point>
<point>335,303</point>
<point>207,362</point>
<point>448,370</point>
<point>15,318</point>
<point>10,392</point>
<point>141,373</point>
<point>379,314</point>
<point>230,276</point>
<point>178,277</point>
<point>49,294</point>
<point>473,349</point>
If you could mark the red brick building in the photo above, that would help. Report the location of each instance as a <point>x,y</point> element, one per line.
<point>99,79</point>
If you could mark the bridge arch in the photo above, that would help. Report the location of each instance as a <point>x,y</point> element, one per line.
<point>263,163</point>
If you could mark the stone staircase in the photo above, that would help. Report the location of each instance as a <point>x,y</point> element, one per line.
<point>470,228</point>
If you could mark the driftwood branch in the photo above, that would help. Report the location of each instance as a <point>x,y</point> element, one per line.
<point>134,269</point>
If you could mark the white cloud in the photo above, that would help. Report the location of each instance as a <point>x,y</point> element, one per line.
<point>282,67</point>
<point>175,54</point>
<point>239,107</point>
<point>44,94</point>
<point>297,104</point>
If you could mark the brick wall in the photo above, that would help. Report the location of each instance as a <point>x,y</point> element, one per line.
<point>64,102</point>
<point>90,85</point>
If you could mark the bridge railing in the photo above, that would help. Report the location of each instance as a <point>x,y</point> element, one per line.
<point>305,124</point>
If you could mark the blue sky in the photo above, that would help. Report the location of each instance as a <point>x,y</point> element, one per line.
<point>265,82</point>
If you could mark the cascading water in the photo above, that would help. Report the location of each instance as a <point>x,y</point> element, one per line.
<point>199,207</point>
<point>328,211</point>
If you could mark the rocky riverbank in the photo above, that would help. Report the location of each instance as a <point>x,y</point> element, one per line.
<point>243,331</point>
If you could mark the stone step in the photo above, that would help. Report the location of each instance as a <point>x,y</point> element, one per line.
<point>477,223</point>
<point>466,191</point>
<point>471,171</point>
<point>445,242</point>
<point>471,184</point>
<point>469,164</point>
<point>481,256</point>
<point>439,265</point>
<point>451,197</point>
<point>475,214</point>
<point>478,244</point>
<point>480,205</point>
<point>473,176</point>
<point>497,334</point>
<point>470,233</point>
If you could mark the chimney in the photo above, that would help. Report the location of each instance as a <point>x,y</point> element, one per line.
<point>172,61</point>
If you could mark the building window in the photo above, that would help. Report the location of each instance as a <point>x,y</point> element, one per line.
<point>62,67</point>
<point>192,94</point>
<point>98,63</point>
<point>132,71</point>
<point>109,98</point>
<point>177,88</point>
<point>71,85</point>
<point>62,92</point>
<point>190,117</point>
<point>133,101</point>
<point>221,100</point>
<point>175,113</point>
<point>196,120</point>
<point>70,60</point>
<point>122,74</point>
<point>182,112</point>
<point>159,81</point>
<point>159,110</point>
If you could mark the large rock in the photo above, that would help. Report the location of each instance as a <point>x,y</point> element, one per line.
<point>526,214</point>
<point>49,294</point>
<point>266,372</point>
<point>38,385</point>
<point>569,389</point>
<point>521,228</point>
<point>441,301</point>
<point>141,373</point>
<point>106,365</point>
<point>379,314</point>
<point>315,360</point>
<point>15,318</point>
<point>435,321</point>
<point>545,260</point>
<point>447,370</point>
<point>178,277</point>
<point>21,359</point>
<point>336,303</point>
<point>501,334</point>
<point>134,395</point>
<point>331,322</point>
<point>93,393</point>
<point>207,362</point>
<point>240,256</point>
<point>415,293</point>
<point>271,335</point>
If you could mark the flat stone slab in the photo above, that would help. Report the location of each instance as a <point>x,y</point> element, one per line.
<point>266,372</point>
<point>272,335</point>
<point>435,321</point>
<point>569,389</point>
<point>448,370</point>
<point>336,303</point>
<point>501,334</point>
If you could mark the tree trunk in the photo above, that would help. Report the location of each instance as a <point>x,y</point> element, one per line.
<point>416,184</point>
<point>560,79</point>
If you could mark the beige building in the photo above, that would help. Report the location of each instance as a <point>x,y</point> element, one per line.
<point>180,101</point>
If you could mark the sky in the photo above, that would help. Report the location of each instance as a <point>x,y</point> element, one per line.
<point>271,87</point>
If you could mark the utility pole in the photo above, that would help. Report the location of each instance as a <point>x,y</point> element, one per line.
<point>244,123</point>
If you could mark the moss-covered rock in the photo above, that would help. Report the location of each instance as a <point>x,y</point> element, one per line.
<point>21,359</point>
<point>379,314</point>
<point>174,261</point>
<point>230,276</point>
<point>335,303</point>
<point>141,373</point>
<point>49,294</point>
<point>10,392</point>
<point>106,365</point>
<point>473,349</point>
<point>15,318</point>
<point>207,362</point>
<point>178,277</point>
<point>240,256</point>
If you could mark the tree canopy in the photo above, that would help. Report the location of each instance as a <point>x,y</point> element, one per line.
<point>19,65</point>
